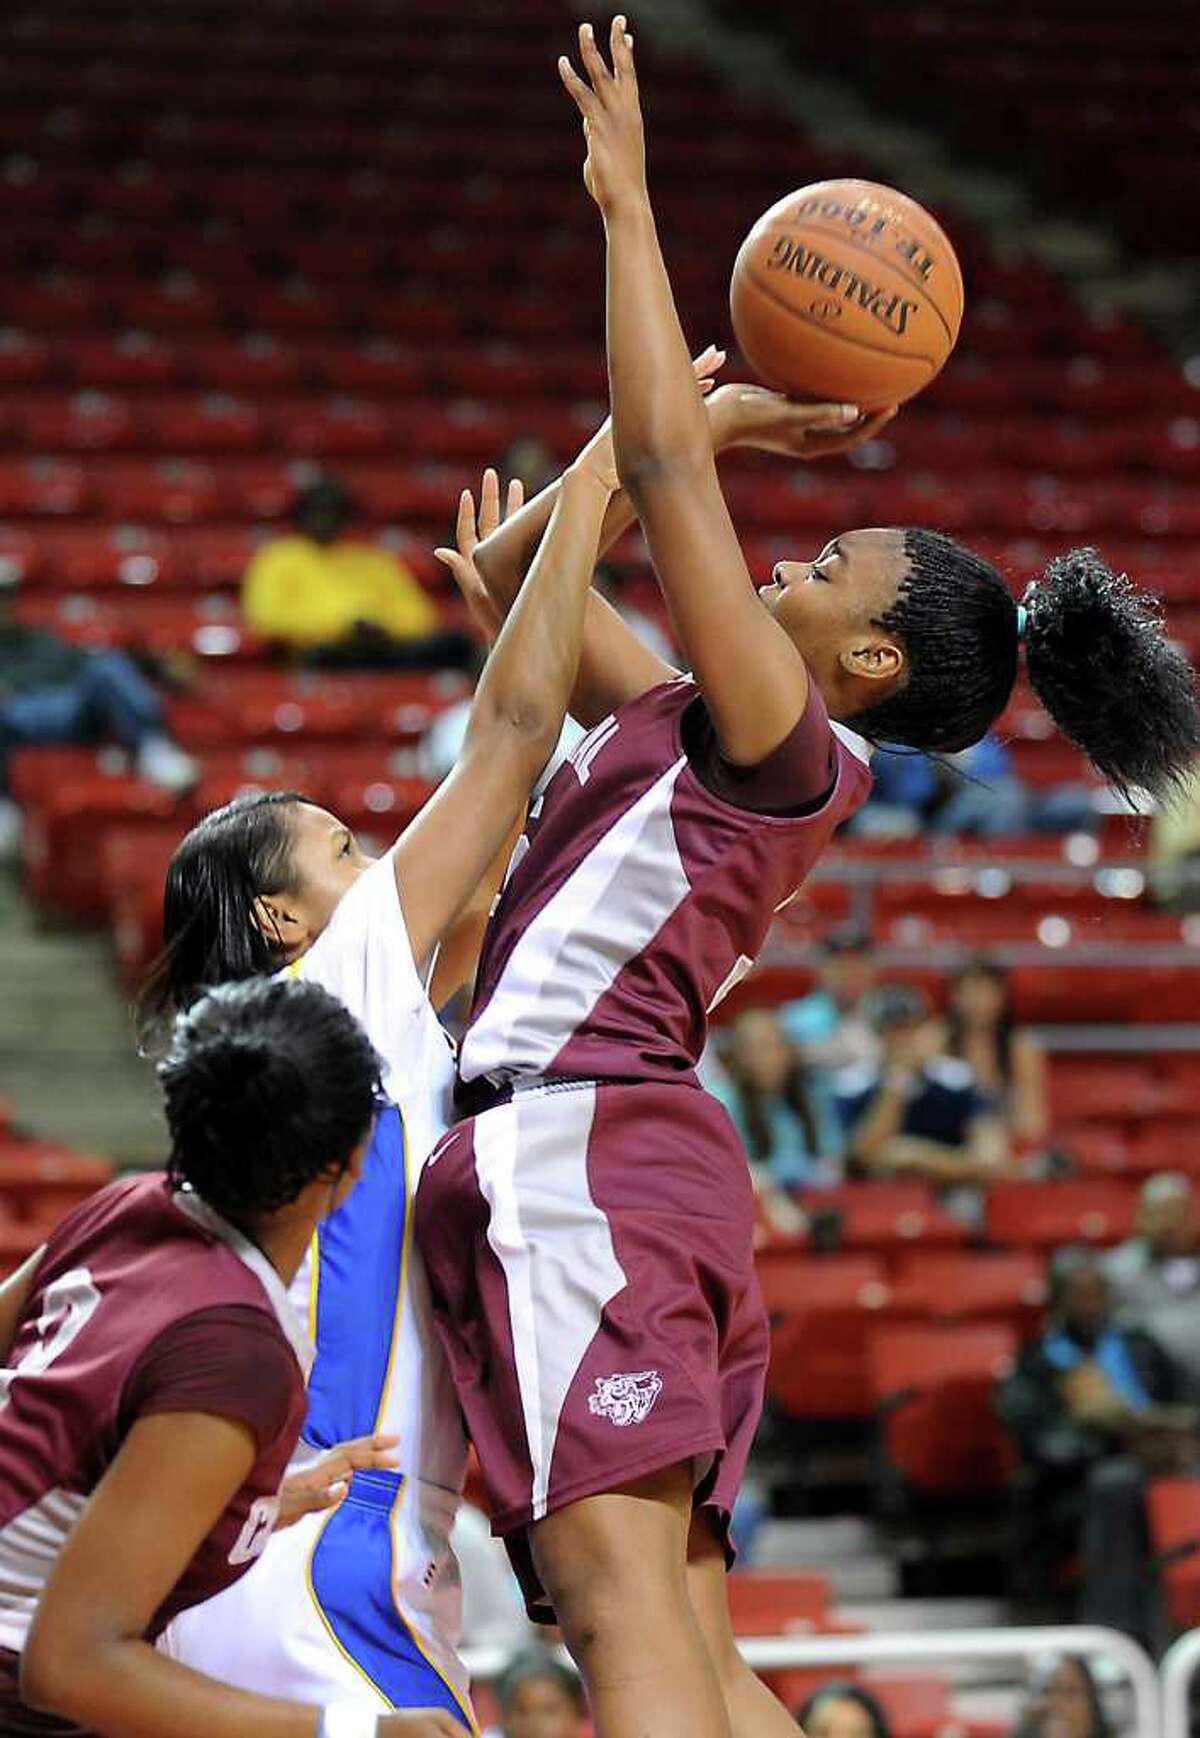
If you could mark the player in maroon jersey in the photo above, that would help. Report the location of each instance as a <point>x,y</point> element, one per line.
<point>153,1382</point>
<point>587,1231</point>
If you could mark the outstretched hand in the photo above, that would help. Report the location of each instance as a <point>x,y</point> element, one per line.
<point>323,1485</point>
<point>753,416</point>
<point>615,171</point>
<point>470,529</point>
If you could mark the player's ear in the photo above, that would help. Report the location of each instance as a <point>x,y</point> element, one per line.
<point>286,933</point>
<point>878,659</point>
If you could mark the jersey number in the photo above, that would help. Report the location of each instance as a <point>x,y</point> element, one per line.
<point>67,1308</point>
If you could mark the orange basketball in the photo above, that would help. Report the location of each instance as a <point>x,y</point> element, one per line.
<point>847,291</point>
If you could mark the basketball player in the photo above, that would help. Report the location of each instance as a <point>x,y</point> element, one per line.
<point>587,1232</point>
<point>363,1603</point>
<point>153,1381</point>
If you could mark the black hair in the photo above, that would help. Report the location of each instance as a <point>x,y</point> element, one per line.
<point>849,938</point>
<point>1099,1724</point>
<point>1096,651</point>
<point>324,497</point>
<point>794,1092</point>
<point>267,1086</point>
<point>845,1692</point>
<point>531,1667</point>
<point>210,935</point>
<point>982,966</point>
<point>1076,1258</point>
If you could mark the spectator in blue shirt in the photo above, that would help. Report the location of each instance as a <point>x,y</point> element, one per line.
<point>831,1028</point>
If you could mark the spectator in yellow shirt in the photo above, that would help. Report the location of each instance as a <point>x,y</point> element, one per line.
<point>339,601</point>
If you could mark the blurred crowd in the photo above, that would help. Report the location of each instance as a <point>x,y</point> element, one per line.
<point>866,1080</point>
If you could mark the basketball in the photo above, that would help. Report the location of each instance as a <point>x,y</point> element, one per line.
<point>847,291</point>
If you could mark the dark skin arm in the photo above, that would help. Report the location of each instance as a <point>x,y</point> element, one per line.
<point>753,678</point>
<point>517,714</point>
<point>85,1657</point>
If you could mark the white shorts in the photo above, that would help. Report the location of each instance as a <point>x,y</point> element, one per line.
<point>316,1618</point>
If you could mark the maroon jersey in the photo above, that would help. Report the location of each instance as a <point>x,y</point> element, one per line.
<point>144,1301</point>
<point>638,897</point>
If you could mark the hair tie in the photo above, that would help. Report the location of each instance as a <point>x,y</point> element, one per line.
<point>1022,621</point>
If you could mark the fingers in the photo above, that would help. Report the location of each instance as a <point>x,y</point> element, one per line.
<point>710,360</point>
<point>515,498</point>
<point>593,60</point>
<point>620,42</point>
<point>579,92</point>
<point>466,534</point>
<point>489,503</point>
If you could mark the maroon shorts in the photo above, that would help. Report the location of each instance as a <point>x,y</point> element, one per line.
<point>590,1259</point>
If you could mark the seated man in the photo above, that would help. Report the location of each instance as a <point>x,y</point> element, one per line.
<point>1155,1276</point>
<point>54,693</point>
<point>1094,1407</point>
<point>918,1112</point>
<point>341,601</point>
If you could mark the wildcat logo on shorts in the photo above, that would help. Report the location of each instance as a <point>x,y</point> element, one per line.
<point>625,1400</point>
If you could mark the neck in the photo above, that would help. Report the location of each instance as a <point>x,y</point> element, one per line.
<point>284,1236</point>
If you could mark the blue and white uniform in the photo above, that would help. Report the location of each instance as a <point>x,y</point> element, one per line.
<point>363,1604</point>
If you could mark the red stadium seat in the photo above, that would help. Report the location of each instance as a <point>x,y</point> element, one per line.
<point>933,1387</point>
<point>953,1285</point>
<point>822,1310</point>
<point>1173,1506</point>
<point>1047,1215</point>
<point>764,1604</point>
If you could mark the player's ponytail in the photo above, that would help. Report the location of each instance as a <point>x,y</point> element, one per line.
<point>211,936</point>
<point>1097,653</point>
<point>1101,664</point>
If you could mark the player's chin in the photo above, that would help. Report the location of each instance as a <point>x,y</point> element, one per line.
<point>771,595</point>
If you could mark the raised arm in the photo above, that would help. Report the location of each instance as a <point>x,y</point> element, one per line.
<point>614,665</point>
<point>753,678</point>
<point>515,720</point>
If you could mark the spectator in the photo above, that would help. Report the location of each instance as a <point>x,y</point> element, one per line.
<point>1064,1702</point>
<point>1093,1407</point>
<point>1009,1064</point>
<point>340,601</point>
<point>831,1027</point>
<point>1175,847</point>
<point>539,1698</point>
<point>765,1091</point>
<point>918,1112</point>
<point>840,1710</point>
<point>977,791</point>
<point>530,460</point>
<point>53,692</point>
<point>1155,1276</point>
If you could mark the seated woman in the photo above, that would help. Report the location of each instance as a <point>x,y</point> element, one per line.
<point>784,1128</point>
<point>153,1383</point>
<point>1008,1062</point>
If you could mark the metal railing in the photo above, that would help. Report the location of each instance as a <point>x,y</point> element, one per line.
<point>779,1653</point>
<point>1178,1669</point>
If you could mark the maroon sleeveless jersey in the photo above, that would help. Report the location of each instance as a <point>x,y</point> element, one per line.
<point>144,1301</point>
<point>635,901</point>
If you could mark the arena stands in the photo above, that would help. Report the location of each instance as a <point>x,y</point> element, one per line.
<point>336,247</point>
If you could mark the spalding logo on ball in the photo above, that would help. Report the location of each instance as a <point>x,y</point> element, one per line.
<point>847,291</point>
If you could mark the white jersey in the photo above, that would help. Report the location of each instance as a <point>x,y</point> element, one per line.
<point>378,1367</point>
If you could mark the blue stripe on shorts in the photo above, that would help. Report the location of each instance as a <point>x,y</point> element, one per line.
<point>351,1576</point>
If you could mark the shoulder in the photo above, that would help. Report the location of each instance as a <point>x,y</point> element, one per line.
<point>856,1081</point>
<point>229,1359</point>
<point>950,1074</point>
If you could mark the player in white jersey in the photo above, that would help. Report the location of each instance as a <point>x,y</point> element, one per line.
<point>361,1605</point>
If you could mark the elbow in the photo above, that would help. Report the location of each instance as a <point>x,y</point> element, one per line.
<point>519,726</point>
<point>651,466</point>
<point>45,1675</point>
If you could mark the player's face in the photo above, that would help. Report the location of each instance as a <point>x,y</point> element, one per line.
<point>326,862</point>
<point>829,608</point>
